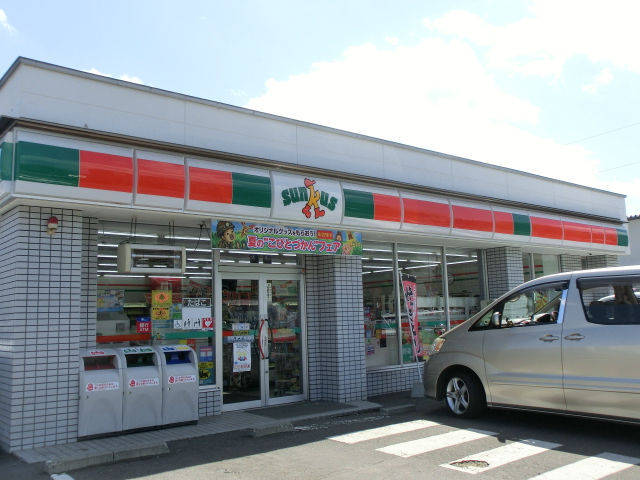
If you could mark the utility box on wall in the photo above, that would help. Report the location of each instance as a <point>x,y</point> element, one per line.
<point>151,259</point>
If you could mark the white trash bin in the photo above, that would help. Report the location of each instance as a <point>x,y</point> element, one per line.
<point>141,377</point>
<point>180,384</point>
<point>100,392</point>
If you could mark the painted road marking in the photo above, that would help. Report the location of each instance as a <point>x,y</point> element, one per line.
<point>592,468</point>
<point>364,435</point>
<point>437,442</point>
<point>497,457</point>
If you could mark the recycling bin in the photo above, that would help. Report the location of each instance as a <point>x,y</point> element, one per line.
<point>141,378</point>
<point>180,384</point>
<point>100,392</point>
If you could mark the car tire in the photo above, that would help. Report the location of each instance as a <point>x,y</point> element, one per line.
<point>465,395</point>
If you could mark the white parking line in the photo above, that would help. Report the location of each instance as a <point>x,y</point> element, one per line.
<point>497,457</point>
<point>61,476</point>
<point>437,442</point>
<point>591,468</point>
<point>370,434</point>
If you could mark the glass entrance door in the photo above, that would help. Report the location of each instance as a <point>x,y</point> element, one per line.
<point>262,345</point>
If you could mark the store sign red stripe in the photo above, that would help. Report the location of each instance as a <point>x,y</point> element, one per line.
<point>421,212</point>
<point>577,232</point>
<point>503,222</point>
<point>208,185</point>
<point>160,178</point>
<point>104,171</point>
<point>386,208</point>
<point>546,228</point>
<point>610,236</point>
<point>467,218</point>
<point>597,235</point>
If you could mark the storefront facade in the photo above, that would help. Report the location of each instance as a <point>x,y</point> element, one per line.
<point>270,246</point>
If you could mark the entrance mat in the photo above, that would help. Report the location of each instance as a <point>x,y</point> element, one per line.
<point>294,410</point>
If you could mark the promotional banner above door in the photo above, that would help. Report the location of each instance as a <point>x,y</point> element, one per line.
<point>276,238</point>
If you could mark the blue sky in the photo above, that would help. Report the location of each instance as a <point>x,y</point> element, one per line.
<point>517,83</point>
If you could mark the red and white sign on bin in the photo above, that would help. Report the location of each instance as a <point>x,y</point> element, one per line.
<point>98,387</point>
<point>144,382</point>
<point>182,378</point>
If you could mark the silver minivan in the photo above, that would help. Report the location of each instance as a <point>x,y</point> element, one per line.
<point>566,343</point>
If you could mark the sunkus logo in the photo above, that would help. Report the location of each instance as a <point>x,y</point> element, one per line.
<point>314,199</point>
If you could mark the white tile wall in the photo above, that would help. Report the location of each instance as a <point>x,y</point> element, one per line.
<point>335,326</point>
<point>504,270</point>
<point>41,325</point>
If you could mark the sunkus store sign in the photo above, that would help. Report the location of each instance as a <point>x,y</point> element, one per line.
<point>227,234</point>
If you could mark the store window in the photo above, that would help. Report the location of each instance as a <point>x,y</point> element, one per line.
<point>142,309</point>
<point>381,326</point>
<point>536,265</point>
<point>389,342</point>
<point>463,280</point>
<point>425,264</point>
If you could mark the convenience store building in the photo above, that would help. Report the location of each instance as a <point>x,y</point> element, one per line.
<point>135,216</point>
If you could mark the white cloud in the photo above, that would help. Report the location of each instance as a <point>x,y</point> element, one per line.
<point>392,40</point>
<point>127,78</point>
<point>124,77</point>
<point>4,21</point>
<point>440,94</point>
<point>603,78</point>
<point>237,93</point>
<point>553,33</point>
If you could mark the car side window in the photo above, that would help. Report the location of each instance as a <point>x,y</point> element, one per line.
<point>611,300</point>
<point>537,305</point>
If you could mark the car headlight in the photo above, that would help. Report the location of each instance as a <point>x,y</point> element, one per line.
<point>436,346</point>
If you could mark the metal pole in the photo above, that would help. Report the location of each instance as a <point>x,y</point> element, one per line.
<point>445,287</point>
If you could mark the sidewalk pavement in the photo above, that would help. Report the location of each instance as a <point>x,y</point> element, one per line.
<point>257,422</point>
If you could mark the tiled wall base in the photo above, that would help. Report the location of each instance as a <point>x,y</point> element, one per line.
<point>390,381</point>
<point>335,326</point>
<point>41,326</point>
<point>209,403</point>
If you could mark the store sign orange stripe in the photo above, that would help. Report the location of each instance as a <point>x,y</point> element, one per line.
<point>504,222</point>
<point>577,232</point>
<point>610,236</point>
<point>421,212</point>
<point>208,185</point>
<point>160,178</point>
<point>597,235</point>
<point>386,207</point>
<point>103,171</point>
<point>467,218</point>
<point>546,228</point>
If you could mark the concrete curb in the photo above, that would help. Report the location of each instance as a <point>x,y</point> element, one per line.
<point>73,463</point>
<point>271,429</point>
<point>399,409</point>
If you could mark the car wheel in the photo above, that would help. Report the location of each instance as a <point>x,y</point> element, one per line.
<point>465,395</point>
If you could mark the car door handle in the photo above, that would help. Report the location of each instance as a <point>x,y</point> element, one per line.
<point>549,338</point>
<point>574,336</point>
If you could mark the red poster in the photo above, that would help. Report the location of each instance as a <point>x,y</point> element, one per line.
<point>411,305</point>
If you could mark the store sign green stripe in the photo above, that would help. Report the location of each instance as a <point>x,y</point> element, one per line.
<point>46,164</point>
<point>251,190</point>
<point>6,157</point>
<point>358,204</point>
<point>623,238</point>
<point>521,225</point>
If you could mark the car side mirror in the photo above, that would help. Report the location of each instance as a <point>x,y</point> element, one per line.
<point>495,319</point>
